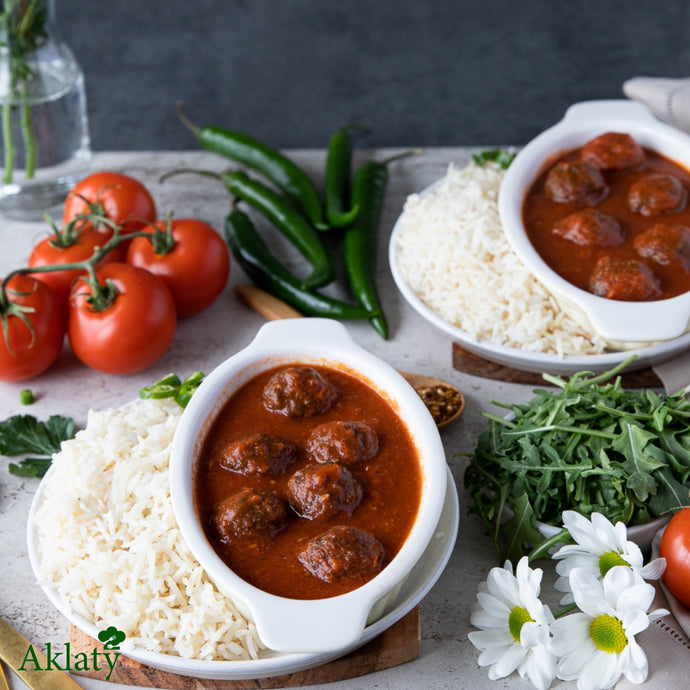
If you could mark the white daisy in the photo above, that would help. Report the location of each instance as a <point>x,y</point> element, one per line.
<point>597,645</point>
<point>513,625</point>
<point>599,546</point>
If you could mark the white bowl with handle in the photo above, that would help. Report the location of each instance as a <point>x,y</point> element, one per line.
<point>625,325</point>
<point>326,624</point>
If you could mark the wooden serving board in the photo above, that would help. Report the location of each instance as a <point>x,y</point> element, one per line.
<point>396,645</point>
<point>469,363</point>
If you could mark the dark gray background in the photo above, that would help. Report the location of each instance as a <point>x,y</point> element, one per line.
<point>427,73</point>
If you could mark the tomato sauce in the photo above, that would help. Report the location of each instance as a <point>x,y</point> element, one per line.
<point>391,483</point>
<point>575,262</point>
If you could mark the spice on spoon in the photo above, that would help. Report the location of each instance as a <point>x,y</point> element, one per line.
<point>443,402</point>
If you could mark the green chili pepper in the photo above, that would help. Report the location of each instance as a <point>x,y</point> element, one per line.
<point>289,221</point>
<point>360,244</point>
<point>338,165</point>
<point>252,253</point>
<point>272,164</point>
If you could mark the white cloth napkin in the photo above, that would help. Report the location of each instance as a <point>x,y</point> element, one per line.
<point>668,99</point>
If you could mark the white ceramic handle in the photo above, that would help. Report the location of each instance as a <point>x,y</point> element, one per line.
<point>320,626</point>
<point>589,111</point>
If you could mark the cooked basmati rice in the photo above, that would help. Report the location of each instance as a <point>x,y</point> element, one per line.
<point>109,544</point>
<point>454,255</point>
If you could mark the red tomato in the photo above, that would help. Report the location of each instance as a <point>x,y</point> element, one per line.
<point>196,269</point>
<point>31,353</point>
<point>675,548</point>
<point>133,332</point>
<point>122,199</point>
<point>45,253</point>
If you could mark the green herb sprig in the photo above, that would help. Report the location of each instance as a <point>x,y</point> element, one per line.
<point>23,25</point>
<point>590,446</point>
<point>498,156</point>
<point>25,435</point>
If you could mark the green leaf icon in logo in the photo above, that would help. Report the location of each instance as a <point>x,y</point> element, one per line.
<point>111,637</point>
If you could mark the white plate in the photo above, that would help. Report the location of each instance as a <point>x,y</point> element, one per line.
<point>522,359</point>
<point>420,581</point>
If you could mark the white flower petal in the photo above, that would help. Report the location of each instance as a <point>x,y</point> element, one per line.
<point>486,639</point>
<point>570,666</point>
<point>654,569</point>
<point>569,633</point>
<point>637,668</point>
<point>509,661</point>
<point>602,670</point>
<point>539,667</point>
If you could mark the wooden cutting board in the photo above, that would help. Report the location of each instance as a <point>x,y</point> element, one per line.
<point>470,363</point>
<point>396,645</point>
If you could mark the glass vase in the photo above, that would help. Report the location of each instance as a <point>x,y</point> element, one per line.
<point>45,145</point>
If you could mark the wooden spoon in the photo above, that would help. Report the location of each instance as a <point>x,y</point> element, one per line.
<point>444,400</point>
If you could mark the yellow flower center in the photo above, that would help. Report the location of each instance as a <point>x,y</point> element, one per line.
<point>607,633</point>
<point>517,618</point>
<point>610,559</point>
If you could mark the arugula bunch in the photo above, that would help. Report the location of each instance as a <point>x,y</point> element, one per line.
<point>590,446</point>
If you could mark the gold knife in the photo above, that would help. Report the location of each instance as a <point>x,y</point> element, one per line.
<point>13,651</point>
<point>4,685</point>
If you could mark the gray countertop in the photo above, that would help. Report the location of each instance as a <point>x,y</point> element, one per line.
<point>447,658</point>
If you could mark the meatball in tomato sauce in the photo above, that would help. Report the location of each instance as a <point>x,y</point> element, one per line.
<point>657,193</point>
<point>571,181</point>
<point>613,151</point>
<point>624,279</point>
<point>324,489</point>
<point>344,442</point>
<point>258,454</point>
<point>252,514</point>
<point>590,228</point>
<point>298,392</point>
<point>343,552</point>
<point>665,244</point>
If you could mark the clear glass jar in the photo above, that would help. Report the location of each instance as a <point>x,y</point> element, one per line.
<point>45,144</point>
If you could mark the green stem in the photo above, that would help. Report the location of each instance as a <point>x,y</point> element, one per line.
<point>10,149</point>
<point>26,121</point>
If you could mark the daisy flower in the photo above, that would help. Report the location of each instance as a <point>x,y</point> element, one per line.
<point>514,625</point>
<point>597,645</point>
<point>599,547</point>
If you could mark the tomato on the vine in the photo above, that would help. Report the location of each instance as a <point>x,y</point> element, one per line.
<point>675,548</point>
<point>189,256</point>
<point>35,328</point>
<point>133,331</point>
<point>122,199</point>
<point>49,252</point>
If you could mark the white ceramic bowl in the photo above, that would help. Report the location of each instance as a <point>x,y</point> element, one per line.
<point>625,325</point>
<point>329,624</point>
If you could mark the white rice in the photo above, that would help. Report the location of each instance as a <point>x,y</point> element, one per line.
<point>453,253</point>
<point>108,542</point>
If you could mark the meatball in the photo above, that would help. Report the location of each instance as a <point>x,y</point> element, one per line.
<point>656,193</point>
<point>569,181</point>
<point>613,151</point>
<point>298,392</point>
<point>665,244</point>
<point>589,227</point>
<point>343,552</point>
<point>258,454</point>
<point>323,489</point>
<point>249,513</point>
<point>344,442</point>
<point>624,279</point>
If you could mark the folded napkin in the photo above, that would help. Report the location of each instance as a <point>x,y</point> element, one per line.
<point>668,99</point>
